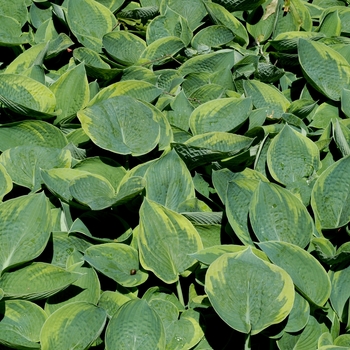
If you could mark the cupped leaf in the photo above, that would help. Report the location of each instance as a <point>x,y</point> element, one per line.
<point>121,125</point>
<point>124,47</point>
<point>135,324</point>
<point>73,326</point>
<point>20,324</point>
<point>31,132</point>
<point>69,98</point>
<point>277,215</point>
<point>330,196</point>
<point>23,163</point>
<point>165,241</point>
<point>226,114</point>
<point>326,69</point>
<point>292,156</point>
<point>259,295</point>
<point>168,181</point>
<point>25,226</point>
<point>117,261</point>
<point>89,21</point>
<point>36,281</point>
<point>308,275</point>
<point>25,95</point>
<point>212,36</point>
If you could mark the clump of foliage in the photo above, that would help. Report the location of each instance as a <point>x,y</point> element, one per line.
<point>174,174</point>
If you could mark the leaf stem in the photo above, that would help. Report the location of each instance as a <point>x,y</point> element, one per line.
<point>247,342</point>
<point>179,292</point>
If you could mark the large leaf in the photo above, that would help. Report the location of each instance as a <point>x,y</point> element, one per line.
<point>165,239</point>
<point>5,182</point>
<point>25,95</point>
<point>122,125</point>
<point>168,181</point>
<point>218,115</point>
<point>89,21</point>
<point>25,226</point>
<point>20,324</point>
<point>73,326</point>
<point>326,69</point>
<point>129,325</point>
<point>36,281</point>
<point>259,295</point>
<point>308,275</point>
<point>330,196</point>
<point>124,268</point>
<point>277,215</point>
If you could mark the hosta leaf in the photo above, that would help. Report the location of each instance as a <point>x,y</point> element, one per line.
<point>161,50</point>
<point>292,156</point>
<point>10,32</point>
<point>20,324</point>
<point>141,90</point>
<point>212,36</point>
<point>36,281</point>
<point>261,294</point>
<point>168,181</point>
<point>222,16</point>
<point>267,97</point>
<point>131,323</point>
<point>217,115</point>
<point>25,226</point>
<point>73,326</point>
<point>325,69</point>
<point>277,215</point>
<point>330,196</point>
<point>117,261</point>
<point>240,190</point>
<point>299,315</point>
<point>125,48</point>
<point>340,290</point>
<point>86,288</point>
<point>112,301</point>
<point>16,9</point>
<point>165,241</point>
<point>121,125</point>
<point>31,132</point>
<point>113,5</point>
<point>89,21</point>
<point>307,273</point>
<point>5,182</point>
<point>69,98</point>
<point>210,62</point>
<point>23,163</point>
<point>25,95</point>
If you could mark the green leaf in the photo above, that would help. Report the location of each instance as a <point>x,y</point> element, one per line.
<point>16,9</point>
<point>117,261</point>
<point>223,17</point>
<point>89,21</point>
<point>20,324</point>
<point>216,115</point>
<point>131,323</point>
<point>70,99</point>
<point>299,315</point>
<point>73,326</point>
<point>212,36</point>
<point>31,132</point>
<point>112,301</point>
<point>168,181</point>
<point>5,182</point>
<point>25,96</point>
<point>260,295</point>
<point>10,32</point>
<point>330,197</point>
<point>37,280</point>
<point>165,241</point>
<point>132,46</point>
<point>23,163</point>
<point>307,273</point>
<point>122,125</point>
<point>292,156</point>
<point>267,97</point>
<point>324,68</point>
<point>239,5</point>
<point>25,226</point>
